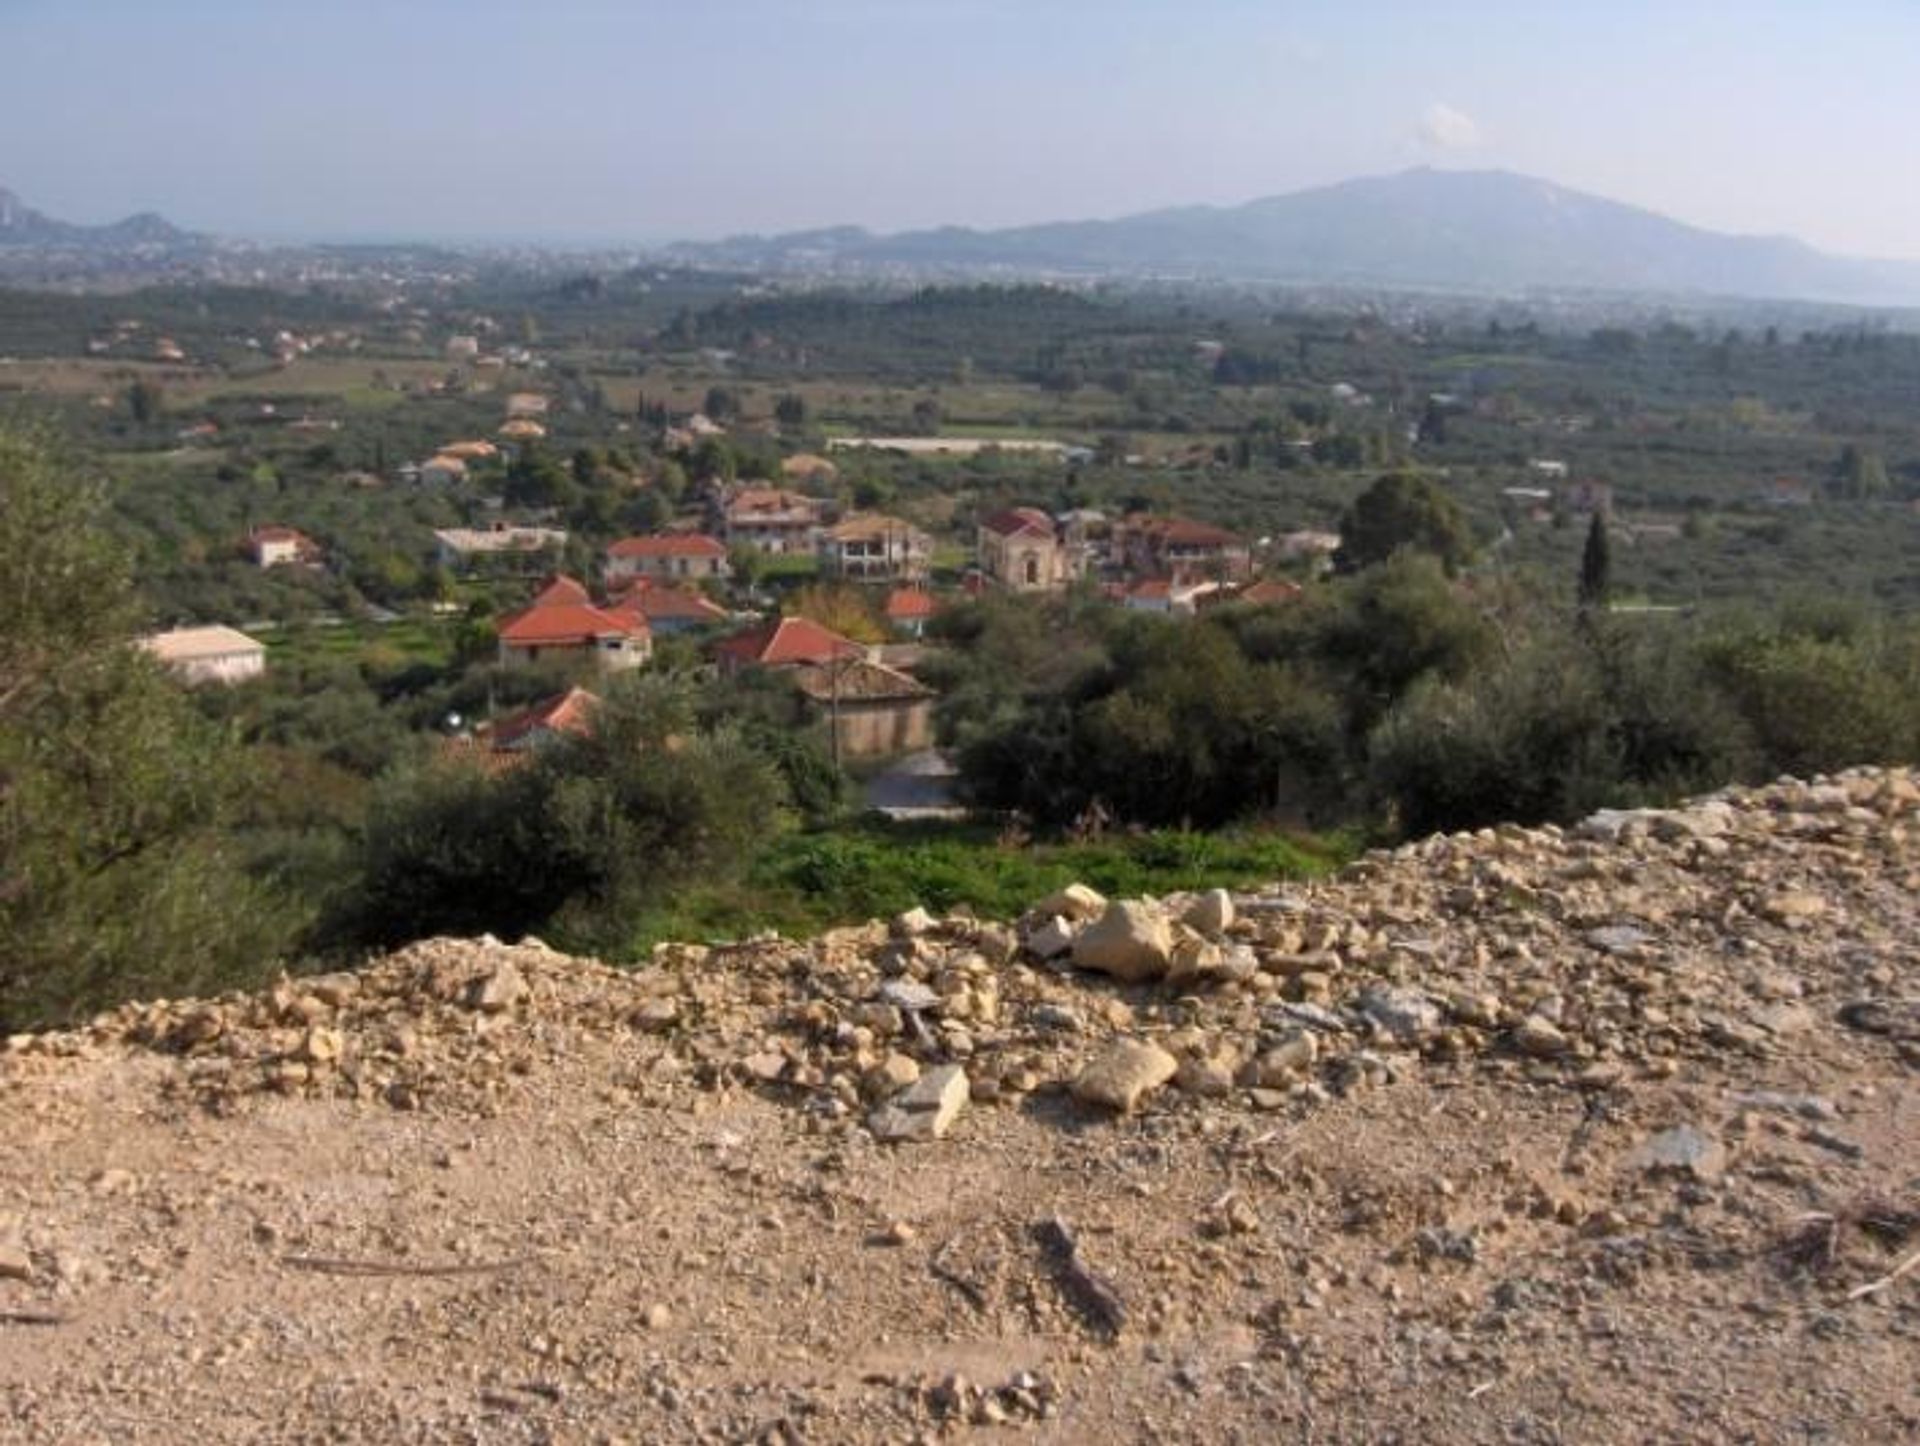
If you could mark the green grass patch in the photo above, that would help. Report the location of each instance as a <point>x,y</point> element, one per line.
<point>412,640</point>
<point>806,882</point>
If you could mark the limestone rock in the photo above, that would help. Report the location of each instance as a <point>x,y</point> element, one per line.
<point>15,1264</point>
<point>1075,903</point>
<point>1684,1149</point>
<point>1404,1015</point>
<point>1211,914</point>
<point>926,1109</point>
<point>1541,1038</point>
<point>1131,941</point>
<point>1051,939</point>
<point>498,990</point>
<point>915,922</point>
<point>1125,1073</point>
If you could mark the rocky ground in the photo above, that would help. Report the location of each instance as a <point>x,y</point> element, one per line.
<point>1605,1134</point>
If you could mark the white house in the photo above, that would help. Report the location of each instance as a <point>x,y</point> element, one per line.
<point>209,655</point>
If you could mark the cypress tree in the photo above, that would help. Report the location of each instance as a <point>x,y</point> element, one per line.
<point>1596,563</point>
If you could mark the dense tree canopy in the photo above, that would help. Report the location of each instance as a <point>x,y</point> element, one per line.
<point>115,874</point>
<point>1403,510</point>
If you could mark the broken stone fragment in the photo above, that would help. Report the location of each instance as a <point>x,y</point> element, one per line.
<point>915,922</point>
<point>908,994</point>
<point>1211,914</point>
<point>1051,939</point>
<point>1793,906</point>
<point>1403,1015</point>
<point>1684,1149</point>
<point>925,1110</point>
<point>1540,1038</point>
<point>1123,1074</point>
<point>1075,903</point>
<point>1131,941</point>
<point>498,990</point>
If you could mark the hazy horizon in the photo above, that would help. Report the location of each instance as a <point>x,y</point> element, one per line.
<point>586,122</point>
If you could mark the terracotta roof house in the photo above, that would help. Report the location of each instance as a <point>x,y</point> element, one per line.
<point>470,451</point>
<point>771,520</point>
<point>1022,551</point>
<point>522,429</point>
<point>564,715</point>
<point>1182,549</point>
<point>908,609</point>
<point>675,555</point>
<point>872,710</point>
<point>785,643</point>
<point>1150,595</point>
<point>1268,592</point>
<point>671,610</point>
<point>281,546</point>
<point>869,547</point>
<point>614,637</point>
<point>210,654</point>
<point>527,404</point>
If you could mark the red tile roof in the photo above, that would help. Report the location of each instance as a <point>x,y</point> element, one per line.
<point>568,712</point>
<point>659,604</point>
<point>858,681</point>
<point>560,589</point>
<point>751,502</point>
<point>569,624</point>
<point>669,544</point>
<point>1268,591</point>
<point>910,604</point>
<point>1185,530</point>
<point>1017,520</point>
<point>787,641</point>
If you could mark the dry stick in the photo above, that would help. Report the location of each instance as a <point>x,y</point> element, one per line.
<point>31,1318</point>
<point>326,1266</point>
<point>1095,1297</point>
<point>1860,1292</point>
<point>942,1271</point>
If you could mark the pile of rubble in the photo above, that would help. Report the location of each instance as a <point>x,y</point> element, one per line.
<point>1625,944</point>
<point>1113,1170</point>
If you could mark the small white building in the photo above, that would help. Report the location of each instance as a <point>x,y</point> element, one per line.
<point>281,547</point>
<point>209,655</point>
<point>460,546</point>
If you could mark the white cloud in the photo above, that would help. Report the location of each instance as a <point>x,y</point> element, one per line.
<point>1447,128</point>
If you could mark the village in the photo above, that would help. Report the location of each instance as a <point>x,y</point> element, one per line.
<point>701,579</point>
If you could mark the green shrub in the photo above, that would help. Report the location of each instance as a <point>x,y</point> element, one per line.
<point>117,877</point>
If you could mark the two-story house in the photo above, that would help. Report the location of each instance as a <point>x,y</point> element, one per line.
<point>869,547</point>
<point>667,557</point>
<point>770,520</point>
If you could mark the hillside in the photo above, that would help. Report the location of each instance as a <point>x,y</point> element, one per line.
<point>22,226</point>
<point>1604,1134</point>
<point>1490,231</point>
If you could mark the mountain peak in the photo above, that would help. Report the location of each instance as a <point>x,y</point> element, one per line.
<point>1485,230</point>
<point>21,225</point>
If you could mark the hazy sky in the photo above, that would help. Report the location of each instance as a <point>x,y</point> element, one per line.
<point>587,119</point>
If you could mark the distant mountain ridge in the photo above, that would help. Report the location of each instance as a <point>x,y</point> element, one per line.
<point>1466,230</point>
<point>21,225</point>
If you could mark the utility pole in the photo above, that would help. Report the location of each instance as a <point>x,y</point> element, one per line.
<point>834,665</point>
